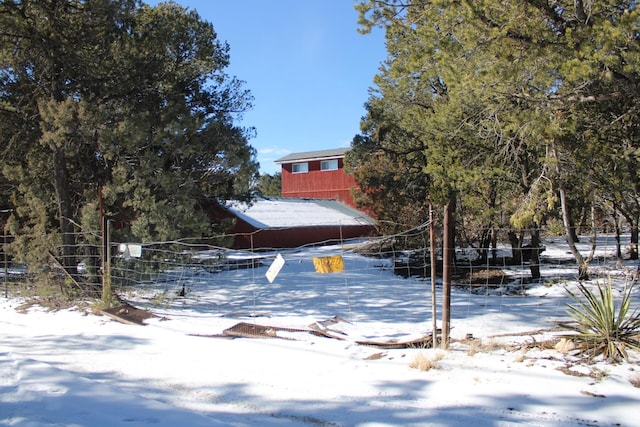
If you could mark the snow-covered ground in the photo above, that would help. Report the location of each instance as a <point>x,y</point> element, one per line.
<point>75,368</point>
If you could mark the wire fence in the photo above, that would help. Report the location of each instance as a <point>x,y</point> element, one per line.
<point>384,279</point>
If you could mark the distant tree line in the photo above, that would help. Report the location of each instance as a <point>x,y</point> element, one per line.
<point>517,114</point>
<point>270,185</point>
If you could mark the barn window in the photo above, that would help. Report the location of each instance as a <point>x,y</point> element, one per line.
<point>300,167</point>
<point>329,165</point>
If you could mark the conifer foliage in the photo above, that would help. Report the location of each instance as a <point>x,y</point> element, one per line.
<point>123,97</point>
<point>515,109</point>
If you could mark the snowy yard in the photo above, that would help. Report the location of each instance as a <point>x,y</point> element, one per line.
<point>75,368</point>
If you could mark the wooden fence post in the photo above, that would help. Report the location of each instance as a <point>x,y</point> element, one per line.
<point>432,261</point>
<point>447,258</point>
<point>107,295</point>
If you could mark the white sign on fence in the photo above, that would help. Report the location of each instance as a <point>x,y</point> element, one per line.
<point>274,268</point>
<point>130,250</point>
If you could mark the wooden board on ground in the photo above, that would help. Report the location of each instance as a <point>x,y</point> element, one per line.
<point>317,330</point>
<point>251,330</point>
<point>128,314</point>
<point>227,337</point>
<point>323,329</point>
<point>328,329</point>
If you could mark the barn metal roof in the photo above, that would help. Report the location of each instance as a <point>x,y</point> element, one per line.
<point>313,155</point>
<point>284,212</point>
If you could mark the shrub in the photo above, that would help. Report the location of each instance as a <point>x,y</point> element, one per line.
<point>600,328</point>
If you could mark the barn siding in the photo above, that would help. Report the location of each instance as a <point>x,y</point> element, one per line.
<point>296,237</point>
<point>335,184</point>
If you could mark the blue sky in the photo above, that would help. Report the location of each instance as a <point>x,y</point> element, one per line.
<point>306,65</point>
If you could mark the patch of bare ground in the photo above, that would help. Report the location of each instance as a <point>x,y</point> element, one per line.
<point>375,356</point>
<point>535,342</point>
<point>52,303</point>
<point>564,351</point>
<point>482,277</point>
<point>476,345</point>
<point>594,373</point>
<point>588,393</point>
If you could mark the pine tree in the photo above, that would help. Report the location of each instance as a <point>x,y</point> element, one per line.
<point>120,96</point>
<point>521,80</point>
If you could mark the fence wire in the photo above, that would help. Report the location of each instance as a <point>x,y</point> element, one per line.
<point>380,279</point>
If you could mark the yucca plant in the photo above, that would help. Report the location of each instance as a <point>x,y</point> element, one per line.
<point>600,327</point>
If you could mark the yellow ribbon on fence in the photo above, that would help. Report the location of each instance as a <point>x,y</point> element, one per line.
<point>328,264</point>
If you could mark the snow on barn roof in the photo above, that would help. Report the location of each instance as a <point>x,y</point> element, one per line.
<point>277,212</point>
<point>313,155</point>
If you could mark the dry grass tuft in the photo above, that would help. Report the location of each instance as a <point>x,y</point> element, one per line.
<point>520,358</point>
<point>635,380</point>
<point>565,346</point>
<point>477,346</point>
<point>426,363</point>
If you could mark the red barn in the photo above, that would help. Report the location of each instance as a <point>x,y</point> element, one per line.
<point>318,175</point>
<point>274,222</point>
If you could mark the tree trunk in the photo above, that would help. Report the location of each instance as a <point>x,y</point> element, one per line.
<point>516,248</point>
<point>534,261</point>
<point>594,236</point>
<point>485,242</point>
<point>583,267</point>
<point>616,227</point>
<point>633,251</point>
<point>65,212</point>
<point>632,220</point>
<point>494,245</point>
<point>573,230</point>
